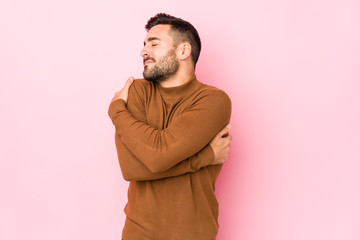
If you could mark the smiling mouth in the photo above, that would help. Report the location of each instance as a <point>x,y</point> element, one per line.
<point>147,61</point>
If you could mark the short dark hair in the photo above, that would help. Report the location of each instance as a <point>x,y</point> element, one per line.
<point>182,31</point>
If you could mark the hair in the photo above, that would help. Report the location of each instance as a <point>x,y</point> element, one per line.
<point>180,31</point>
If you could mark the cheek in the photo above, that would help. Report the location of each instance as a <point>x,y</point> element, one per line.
<point>158,52</point>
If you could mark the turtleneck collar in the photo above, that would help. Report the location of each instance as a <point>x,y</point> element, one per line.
<point>179,91</point>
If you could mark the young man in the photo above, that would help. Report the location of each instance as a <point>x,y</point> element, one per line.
<point>171,138</point>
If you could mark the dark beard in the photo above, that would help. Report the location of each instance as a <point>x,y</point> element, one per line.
<point>164,68</point>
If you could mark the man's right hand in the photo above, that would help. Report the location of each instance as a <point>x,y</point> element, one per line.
<point>221,145</point>
<point>123,93</point>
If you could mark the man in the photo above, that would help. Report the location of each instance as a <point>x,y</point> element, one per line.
<point>171,138</point>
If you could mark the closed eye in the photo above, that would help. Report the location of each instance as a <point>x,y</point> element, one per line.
<point>152,40</point>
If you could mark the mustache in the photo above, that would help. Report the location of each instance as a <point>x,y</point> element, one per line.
<point>148,58</point>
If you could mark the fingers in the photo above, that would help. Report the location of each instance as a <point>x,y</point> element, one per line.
<point>123,93</point>
<point>221,147</point>
<point>129,82</point>
<point>226,138</point>
<point>224,132</point>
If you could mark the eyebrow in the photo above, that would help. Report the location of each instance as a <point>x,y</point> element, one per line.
<point>152,39</point>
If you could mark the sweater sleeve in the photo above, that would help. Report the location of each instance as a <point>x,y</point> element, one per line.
<point>134,170</point>
<point>161,149</point>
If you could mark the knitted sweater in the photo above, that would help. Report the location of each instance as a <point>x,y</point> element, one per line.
<point>162,140</point>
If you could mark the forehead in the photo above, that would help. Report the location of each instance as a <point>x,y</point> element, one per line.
<point>160,31</point>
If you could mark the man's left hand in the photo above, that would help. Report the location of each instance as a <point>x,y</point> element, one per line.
<point>123,93</point>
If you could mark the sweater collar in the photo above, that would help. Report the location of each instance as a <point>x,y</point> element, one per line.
<point>179,91</point>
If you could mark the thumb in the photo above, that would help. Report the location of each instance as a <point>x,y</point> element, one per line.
<point>224,131</point>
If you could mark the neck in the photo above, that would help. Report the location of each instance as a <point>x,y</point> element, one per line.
<point>180,78</point>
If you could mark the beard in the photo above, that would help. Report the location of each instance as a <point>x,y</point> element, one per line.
<point>164,68</point>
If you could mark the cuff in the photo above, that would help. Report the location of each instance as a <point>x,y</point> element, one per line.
<point>116,106</point>
<point>206,157</point>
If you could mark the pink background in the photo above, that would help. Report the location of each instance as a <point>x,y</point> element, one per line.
<point>291,68</point>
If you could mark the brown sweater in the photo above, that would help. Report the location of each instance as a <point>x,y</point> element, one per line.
<point>162,140</point>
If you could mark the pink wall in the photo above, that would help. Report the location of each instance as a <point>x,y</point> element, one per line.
<point>292,70</point>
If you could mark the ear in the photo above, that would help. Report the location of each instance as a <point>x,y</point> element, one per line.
<point>184,50</point>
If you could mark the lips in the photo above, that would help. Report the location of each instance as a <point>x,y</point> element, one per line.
<point>148,60</point>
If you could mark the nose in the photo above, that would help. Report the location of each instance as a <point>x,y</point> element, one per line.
<point>144,52</point>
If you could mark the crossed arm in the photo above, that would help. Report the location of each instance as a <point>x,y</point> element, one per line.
<point>141,159</point>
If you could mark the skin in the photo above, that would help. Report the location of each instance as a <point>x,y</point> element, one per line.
<point>157,44</point>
